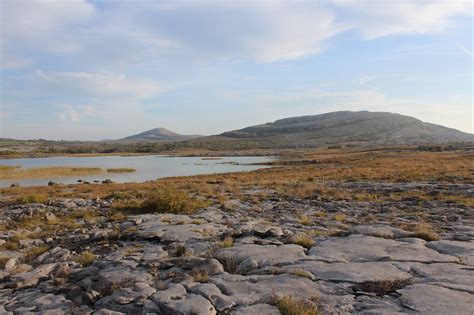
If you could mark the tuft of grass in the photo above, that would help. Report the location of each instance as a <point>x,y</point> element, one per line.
<point>170,201</point>
<point>86,258</point>
<point>32,199</point>
<point>10,246</point>
<point>118,216</point>
<point>121,170</point>
<point>302,273</point>
<point>424,231</point>
<point>33,252</point>
<point>339,217</point>
<point>229,264</point>
<point>118,195</point>
<point>5,168</point>
<point>198,221</point>
<point>180,251</point>
<point>48,172</point>
<point>227,242</point>
<point>200,275</point>
<point>3,261</point>
<point>427,235</point>
<point>303,240</point>
<point>288,305</point>
<point>305,220</point>
<point>383,287</point>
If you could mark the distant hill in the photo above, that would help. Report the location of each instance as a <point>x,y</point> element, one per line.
<point>345,127</point>
<point>158,135</point>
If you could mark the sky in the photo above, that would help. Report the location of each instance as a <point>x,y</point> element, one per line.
<point>92,70</point>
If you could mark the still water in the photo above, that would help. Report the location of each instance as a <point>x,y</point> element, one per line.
<point>148,167</point>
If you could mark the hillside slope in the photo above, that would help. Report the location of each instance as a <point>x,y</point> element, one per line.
<point>347,127</point>
<point>158,135</point>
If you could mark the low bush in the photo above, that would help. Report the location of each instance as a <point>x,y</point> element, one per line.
<point>303,240</point>
<point>121,170</point>
<point>288,305</point>
<point>32,199</point>
<point>86,258</point>
<point>170,201</point>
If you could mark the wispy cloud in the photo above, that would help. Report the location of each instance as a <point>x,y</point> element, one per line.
<point>262,31</point>
<point>466,51</point>
<point>101,84</point>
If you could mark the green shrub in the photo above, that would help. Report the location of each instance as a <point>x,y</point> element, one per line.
<point>170,201</point>
<point>288,305</point>
<point>32,199</point>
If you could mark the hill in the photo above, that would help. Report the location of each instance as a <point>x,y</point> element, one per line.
<point>158,135</point>
<point>345,127</point>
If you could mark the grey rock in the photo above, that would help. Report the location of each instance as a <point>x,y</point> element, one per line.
<point>139,292</point>
<point>432,299</point>
<point>463,250</point>
<point>368,248</point>
<point>249,257</point>
<point>262,289</point>
<point>175,300</point>
<point>456,276</point>
<point>56,254</point>
<point>211,292</point>
<point>257,309</point>
<point>178,233</point>
<point>352,271</point>
<point>30,278</point>
<point>383,231</point>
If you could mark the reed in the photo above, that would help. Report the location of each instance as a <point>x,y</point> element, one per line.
<point>46,172</point>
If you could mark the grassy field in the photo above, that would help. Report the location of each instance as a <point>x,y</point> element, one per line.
<point>16,172</point>
<point>301,174</point>
<point>121,170</point>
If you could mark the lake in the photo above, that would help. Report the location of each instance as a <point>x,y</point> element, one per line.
<point>149,167</point>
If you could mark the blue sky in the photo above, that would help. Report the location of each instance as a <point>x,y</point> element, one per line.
<point>90,70</point>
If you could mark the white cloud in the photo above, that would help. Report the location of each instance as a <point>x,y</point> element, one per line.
<point>126,32</point>
<point>378,18</point>
<point>101,84</point>
<point>39,25</point>
<point>466,51</point>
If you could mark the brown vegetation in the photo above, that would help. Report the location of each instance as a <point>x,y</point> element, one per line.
<point>121,170</point>
<point>288,305</point>
<point>46,172</point>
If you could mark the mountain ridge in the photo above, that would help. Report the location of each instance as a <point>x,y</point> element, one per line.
<point>348,127</point>
<point>158,134</point>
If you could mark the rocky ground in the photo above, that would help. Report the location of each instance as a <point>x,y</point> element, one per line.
<point>242,257</point>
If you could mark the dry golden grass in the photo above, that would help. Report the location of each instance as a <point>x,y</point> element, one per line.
<point>305,220</point>
<point>5,168</point>
<point>47,172</point>
<point>86,258</point>
<point>424,231</point>
<point>32,253</point>
<point>288,305</point>
<point>200,275</point>
<point>227,242</point>
<point>303,240</point>
<point>170,201</point>
<point>121,170</point>
<point>291,179</point>
<point>32,199</point>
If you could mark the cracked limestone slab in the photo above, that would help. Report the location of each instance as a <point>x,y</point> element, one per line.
<point>359,248</point>
<point>168,233</point>
<point>175,300</point>
<point>249,257</point>
<point>432,299</point>
<point>463,250</point>
<point>356,272</point>
<point>456,276</point>
<point>243,290</point>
